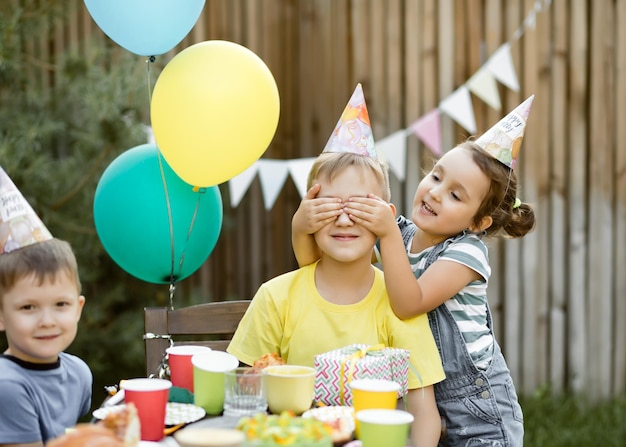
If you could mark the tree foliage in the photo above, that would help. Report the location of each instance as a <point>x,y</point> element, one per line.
<point>62,121</point>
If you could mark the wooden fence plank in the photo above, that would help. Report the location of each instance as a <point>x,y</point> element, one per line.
<point>446,66</point>
<point>394,120</point>
<point>600,202</point>
<point>412,68</point>
<point>619,350</point>
<point>577,179</point>
<point>558,213</point>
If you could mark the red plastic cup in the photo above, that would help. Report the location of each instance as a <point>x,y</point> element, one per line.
<point>150,397</point>
<point>181,369</point>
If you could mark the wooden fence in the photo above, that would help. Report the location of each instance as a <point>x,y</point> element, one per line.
<point>558,295</point>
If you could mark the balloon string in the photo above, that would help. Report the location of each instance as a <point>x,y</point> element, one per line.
<point>191,225</point>
<point>149,62</point>
<point>169,216</point>
<point>172,289</point>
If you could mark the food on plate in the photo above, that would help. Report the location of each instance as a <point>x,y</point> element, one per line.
<point>339,418</point>
<point>87,435</point>
<point>284,430</point>
<point>267,360</point>
<point>117,429</point>
<point>125,424</point>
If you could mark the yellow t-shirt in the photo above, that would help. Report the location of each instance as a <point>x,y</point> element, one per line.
<point>288,316</point>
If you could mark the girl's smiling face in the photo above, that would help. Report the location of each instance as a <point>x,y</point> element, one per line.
<point>41,319</point>
<point>448,198</point>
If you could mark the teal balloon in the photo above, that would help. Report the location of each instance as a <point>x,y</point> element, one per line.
<point>154,225</point>
<point>145,27</point>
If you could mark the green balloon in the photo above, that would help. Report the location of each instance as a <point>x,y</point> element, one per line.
<point>154,225</point>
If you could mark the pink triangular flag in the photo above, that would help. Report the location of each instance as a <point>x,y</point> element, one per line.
<point>428,129</point>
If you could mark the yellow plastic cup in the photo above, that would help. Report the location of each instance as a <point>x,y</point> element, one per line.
<point>289,388</point>
<point>373,394</point>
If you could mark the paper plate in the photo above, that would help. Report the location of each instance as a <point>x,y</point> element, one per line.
<point>177,413</point>
<point>331,413</point>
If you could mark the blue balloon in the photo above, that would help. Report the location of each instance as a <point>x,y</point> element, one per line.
<point>145,27</point>
<point>154,225</point>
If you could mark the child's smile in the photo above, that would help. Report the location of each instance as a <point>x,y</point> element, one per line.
<point>448,198</point>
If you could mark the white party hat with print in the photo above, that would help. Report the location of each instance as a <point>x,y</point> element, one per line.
<point>503,141</point>
<point>19,224</point>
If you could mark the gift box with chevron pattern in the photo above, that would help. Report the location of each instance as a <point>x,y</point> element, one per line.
<point>335,369</point>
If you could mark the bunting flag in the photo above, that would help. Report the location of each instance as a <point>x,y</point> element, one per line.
<point>273,174</point>
<point>238,186</point>
<point>484,85</point>
<point>499,67</point>
<point>392,149</point>
<point>299,170</point>
<point>458,106</point>
<point>428,130</point>
<point>500,64</point>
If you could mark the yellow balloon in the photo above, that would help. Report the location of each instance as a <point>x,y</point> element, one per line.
<point>214,111</point>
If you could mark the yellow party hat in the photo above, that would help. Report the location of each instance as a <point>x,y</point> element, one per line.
<point>353,132</point>
<point>19,224</point>
<point>503,140</point>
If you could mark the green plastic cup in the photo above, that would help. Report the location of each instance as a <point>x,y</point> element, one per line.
<point>208,379</point>
<point>389,428</point>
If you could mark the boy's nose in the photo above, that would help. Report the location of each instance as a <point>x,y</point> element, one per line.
<point>46,318</point>
<point>344,220</point>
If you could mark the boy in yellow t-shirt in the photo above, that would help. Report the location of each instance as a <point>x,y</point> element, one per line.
<point>341,299</point>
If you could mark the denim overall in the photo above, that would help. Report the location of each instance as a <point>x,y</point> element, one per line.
<point>480,407</point>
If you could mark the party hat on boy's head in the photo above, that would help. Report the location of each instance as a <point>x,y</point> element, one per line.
<point>503,140</point>
<point>353,132</point>
<point>19,225</point>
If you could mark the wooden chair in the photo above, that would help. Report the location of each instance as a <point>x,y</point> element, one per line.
<point>209,324</point>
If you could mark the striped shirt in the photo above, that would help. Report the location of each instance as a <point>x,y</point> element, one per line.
<point>469,306</point>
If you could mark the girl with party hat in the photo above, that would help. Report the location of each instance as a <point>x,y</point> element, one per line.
<point>470,194</point>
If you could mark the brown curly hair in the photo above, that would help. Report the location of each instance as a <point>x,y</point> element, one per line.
<point>508,221</point>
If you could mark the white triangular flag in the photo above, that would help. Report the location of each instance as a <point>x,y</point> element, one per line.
<point>299,170</point>
<point>500,64</point>
<point>238,185</point>
<point>458,106</point>
<point>483,85</point>
<point>272,174</point>
<point>393,150</point>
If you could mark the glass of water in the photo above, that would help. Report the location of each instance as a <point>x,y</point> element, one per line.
<point>243,392</point>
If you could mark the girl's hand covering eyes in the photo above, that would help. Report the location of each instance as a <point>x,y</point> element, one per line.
<point>373,213</point>
<point>315,212</point>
